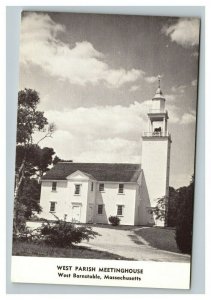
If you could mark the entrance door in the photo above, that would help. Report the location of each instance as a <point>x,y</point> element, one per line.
<point>76,213</point>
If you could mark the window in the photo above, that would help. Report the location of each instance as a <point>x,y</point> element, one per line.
<point>54,185</point>
<point>121,188</point>
<point>92,186</point>
<point>77,189</point>
<point>100,209</point>
<point>119,210</point>
<point>52,206</point>
<point>101,187</point>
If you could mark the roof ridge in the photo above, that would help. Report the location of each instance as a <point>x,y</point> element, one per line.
<point>118,172</point>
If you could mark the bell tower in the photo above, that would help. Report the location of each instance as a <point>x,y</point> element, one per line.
<point>156,143</point>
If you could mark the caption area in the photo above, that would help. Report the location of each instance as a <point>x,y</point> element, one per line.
<point>111,272</point>
<point>88,272</point>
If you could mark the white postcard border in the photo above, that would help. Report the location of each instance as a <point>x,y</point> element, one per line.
<point>144,273</point>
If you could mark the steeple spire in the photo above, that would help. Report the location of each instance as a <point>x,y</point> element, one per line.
<point>159,78</point>
<point>158,93</point>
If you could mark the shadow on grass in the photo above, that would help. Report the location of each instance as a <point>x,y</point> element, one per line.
<point>159,238</point>
<point>135,239</point>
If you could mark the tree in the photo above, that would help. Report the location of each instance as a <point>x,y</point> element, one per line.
<point>45,158</point>
<point>172,207</point>
<point>184,227</point>
<point>28,201</point>
<point>29,118</point>
<point>180,214</point>
<point>169,209</point>
<point>57,159</point>
<point>37,160</point>
<point>30,158</point>
<point>160,210</point>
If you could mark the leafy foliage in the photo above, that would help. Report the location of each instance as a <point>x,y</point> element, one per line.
<point>173,202</point>
<point>28,202</point>
<point>64,234</point>
<point>57,159</point>
<point>160,209</point>
<point>180,214</point>
<point>37,160</point>
<point>167,208</point>
<point>30,158</point>
<point>30,196</point>
<point>19,220</point>
<point>29,119</point>
<point>114,220</point>
<point>184,225</point>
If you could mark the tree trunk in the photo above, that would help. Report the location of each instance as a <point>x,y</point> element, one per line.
<point>18,181</point>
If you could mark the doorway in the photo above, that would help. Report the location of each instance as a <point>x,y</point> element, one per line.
<point>76,213</point>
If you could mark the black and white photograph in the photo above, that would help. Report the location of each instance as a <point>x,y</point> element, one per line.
<point>105,144</point>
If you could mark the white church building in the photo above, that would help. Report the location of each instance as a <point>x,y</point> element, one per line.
<point>92,192</point>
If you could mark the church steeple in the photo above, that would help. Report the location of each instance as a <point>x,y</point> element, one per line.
<point>156,144</point>
<point>158,115</point>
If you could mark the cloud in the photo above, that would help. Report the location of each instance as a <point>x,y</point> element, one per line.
<point>170,97</point>
<point>194,82</point>
<point>176,117</point>
<point>111,150</point>
<point>104,133</point>
<point>184,32</point>
<point>134,88</point>
<point>173,112</point>
<point>79,64</point>
<point>195,54</point>
<point>188,118</point>
<point>98,122</point>
<point>180,89</point>
<point>151,79</point>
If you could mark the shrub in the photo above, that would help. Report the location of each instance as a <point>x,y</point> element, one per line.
<point>28,235</point>
<point>114,220</point>
<point>63,234</point>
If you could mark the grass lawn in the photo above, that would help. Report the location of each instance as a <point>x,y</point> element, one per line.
<point>34,249</point>
<point>160,238</point>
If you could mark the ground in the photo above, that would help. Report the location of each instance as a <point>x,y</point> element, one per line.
<point>32,249</point>
<point>139,243</point>
<point>116,242</point>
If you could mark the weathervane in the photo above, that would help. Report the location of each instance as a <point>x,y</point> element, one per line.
<point>159,78</point>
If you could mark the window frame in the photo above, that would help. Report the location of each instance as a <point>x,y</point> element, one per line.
<point>54,186</point>
<point>122,208</point>
<point>101,185</point>
<point>52,203</point>
<point>121,190</point>
<point>100,205</point>
<point>77,185</point>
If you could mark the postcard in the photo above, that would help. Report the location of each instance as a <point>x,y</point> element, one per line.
<point>105,149</point>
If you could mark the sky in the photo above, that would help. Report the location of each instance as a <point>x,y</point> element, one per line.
<point>96,76</point>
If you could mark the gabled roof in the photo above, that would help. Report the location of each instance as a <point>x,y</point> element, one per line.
<point>100,171</point>
<point>78,172</point>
